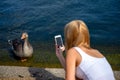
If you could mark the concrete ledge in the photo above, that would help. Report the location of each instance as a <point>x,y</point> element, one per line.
<point>31,73</point>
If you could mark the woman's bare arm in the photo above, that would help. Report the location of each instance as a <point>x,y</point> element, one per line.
<point>59,54</point>
<point>70,65</point>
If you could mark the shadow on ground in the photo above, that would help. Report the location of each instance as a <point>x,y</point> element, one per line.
<point>42,74</point>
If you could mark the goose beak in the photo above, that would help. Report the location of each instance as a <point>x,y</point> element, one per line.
<point>23,37</point>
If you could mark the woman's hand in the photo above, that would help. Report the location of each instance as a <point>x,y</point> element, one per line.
<point>59,50</point>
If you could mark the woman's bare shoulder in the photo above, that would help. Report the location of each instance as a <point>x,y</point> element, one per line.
<point>72,52</point>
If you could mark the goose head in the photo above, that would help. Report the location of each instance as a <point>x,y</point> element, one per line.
<point>24,36</point>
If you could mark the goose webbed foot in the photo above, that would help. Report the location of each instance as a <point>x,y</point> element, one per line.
<point>23,59</point>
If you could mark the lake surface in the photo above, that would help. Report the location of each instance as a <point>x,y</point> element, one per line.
<point>43,19</point>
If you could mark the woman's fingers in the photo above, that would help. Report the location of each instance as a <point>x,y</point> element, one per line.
<point>62,48</point>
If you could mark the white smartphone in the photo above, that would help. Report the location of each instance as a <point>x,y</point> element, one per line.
<point>58,40</point>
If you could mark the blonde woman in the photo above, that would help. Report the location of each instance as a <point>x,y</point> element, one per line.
<point>82,62</point>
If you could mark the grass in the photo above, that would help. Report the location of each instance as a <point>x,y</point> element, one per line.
<point>44,56</point>
<point>114,60</point>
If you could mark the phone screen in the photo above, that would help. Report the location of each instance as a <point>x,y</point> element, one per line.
<point>58,40</point>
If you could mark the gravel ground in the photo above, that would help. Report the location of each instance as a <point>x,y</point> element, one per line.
<point>31,73</point>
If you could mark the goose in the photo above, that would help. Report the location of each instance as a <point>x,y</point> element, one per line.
<point>21,47</point>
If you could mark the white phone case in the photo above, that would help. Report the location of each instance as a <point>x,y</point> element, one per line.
<point>58,40</point>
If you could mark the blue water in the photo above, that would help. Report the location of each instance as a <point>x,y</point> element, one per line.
<point>43,19</point>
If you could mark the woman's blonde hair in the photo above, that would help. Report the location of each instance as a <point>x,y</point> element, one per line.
<point>76,34</point>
